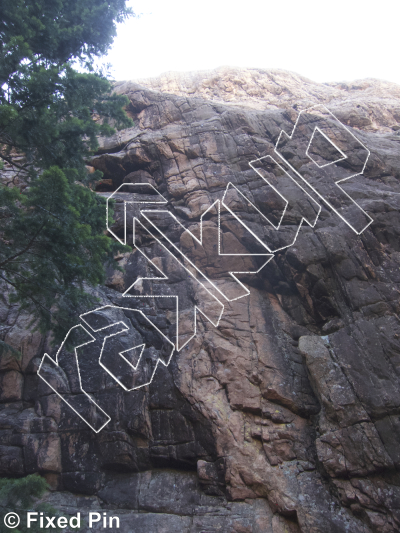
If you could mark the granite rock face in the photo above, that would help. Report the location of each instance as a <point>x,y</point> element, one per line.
<point>286,416</point>
<point>370,104</point>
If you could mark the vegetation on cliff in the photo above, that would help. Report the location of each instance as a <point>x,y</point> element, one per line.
<point>54,104</point>
<point>22,495</point>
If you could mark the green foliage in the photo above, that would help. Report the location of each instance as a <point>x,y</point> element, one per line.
<point>56,31</point>
<point>52,232</point>
<point>49,117</point>
<point>53,241</point>
<point>20,495</point>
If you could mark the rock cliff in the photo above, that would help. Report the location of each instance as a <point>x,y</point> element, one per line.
<point>284,417</point>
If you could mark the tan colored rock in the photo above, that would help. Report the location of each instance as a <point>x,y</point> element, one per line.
<point>23,339</point>
<point>273,88</point>
<point>11,385</point>
<point>294,432</point>
<point>49,454</point>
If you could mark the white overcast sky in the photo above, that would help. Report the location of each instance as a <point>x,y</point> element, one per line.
<point>325,41</point>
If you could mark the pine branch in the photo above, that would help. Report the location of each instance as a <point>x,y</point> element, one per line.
<point>27,247</point>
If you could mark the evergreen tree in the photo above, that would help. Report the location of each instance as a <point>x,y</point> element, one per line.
<point>52,225</point>
<point>21,495</point>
